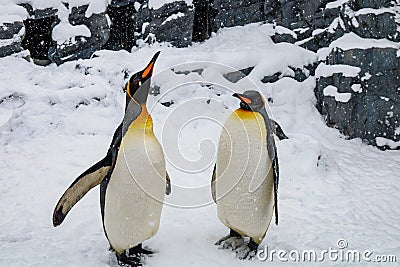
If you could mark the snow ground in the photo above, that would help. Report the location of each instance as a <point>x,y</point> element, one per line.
<point>58,121</point>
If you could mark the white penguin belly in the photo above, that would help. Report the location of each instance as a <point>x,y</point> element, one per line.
<point>244,181</point>
<point>135,192</point>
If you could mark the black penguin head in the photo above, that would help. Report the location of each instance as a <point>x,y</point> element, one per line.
<point>138,85</point>
<point>251,100</point>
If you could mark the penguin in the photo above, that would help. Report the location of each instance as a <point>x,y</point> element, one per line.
<point>132,177</point>
<point>246,175</point>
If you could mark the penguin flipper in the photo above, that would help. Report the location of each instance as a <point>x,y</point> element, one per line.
<point>86,181</point>
<point>275,166</point>
<point>168,186</point>
<point>278,130</point>
<point>273,155</point>
<point>214,175</point>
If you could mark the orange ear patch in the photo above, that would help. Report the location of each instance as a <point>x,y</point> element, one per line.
<point>128,89</point>
<point>245,99</point>
<point>148,70</point>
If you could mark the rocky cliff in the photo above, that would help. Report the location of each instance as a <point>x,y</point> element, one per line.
<point>357,42</point>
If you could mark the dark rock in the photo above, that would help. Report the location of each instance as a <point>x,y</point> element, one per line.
<point>312,12</point>
<point>168,103</point>
<point>372,60</point>
<point>323,39</point>
<point>359,4</point>
<point>122,32</point>
<point>171,23</point>
<point>311,68</point>
<point>373,112</point>
<point>303,33</point>
<point>38,38</point>
<point>9,30</point>
<point>272,78</point>
<point>11,35</point>
<point>376,26</point>
<point>236,76</point>
<point>271,9</point>
<point>154,90</point>
<point>238,13</point>
<point>289,13</point>
<point>38,30</point>
<point>204,15</point>
<point>187,72</point>
<point>299,74</point>
<point>283,38</point>
<point>39,13</point>
<point>82,46</point>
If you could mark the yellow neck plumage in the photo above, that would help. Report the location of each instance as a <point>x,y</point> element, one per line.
<point>244,114</point>
<point>143,121</point>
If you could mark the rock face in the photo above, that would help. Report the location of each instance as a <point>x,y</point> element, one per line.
<point>373,109</point>
<point>81,46</point>
<point>357,43</point>
<point>173,23</point>
<point>38,33</point>
<point>11,35</point>
<point>122,34</point>
<point>234,13</point>
<point>136,23</point>
<point>361,34</point>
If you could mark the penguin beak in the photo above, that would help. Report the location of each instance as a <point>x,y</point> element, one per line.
<point>242,98</point>
<point>148,71</point>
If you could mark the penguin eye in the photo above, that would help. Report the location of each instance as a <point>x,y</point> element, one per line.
<point>136,82</point>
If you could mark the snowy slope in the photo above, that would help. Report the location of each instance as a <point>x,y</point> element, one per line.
<point>57,121</point>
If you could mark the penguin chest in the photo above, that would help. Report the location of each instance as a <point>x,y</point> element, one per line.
<point>135,192</point>
<point>244,181</point>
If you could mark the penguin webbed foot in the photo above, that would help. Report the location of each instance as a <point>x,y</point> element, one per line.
<point>231,241</point>
<point>129,260</point>
<point>248,251</point>
<point>133,256</point>
<point>139,250</point>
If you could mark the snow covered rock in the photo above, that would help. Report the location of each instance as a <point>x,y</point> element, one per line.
<point>11,35</point>
<point>53,31</point>
<point>345,34</point>
<point>38,27</point>
<point>80,33</point>
<point>172,22</point>
<point>234,13</point>
<point>368,41</point>
<point>122,33</point>
<point>136,23</point>
<point>12,28</point>
<point>348,35</point>
<point>373,110</point>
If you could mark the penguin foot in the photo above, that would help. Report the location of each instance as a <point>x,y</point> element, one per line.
<point>231,241</point>
<point>219,242</point>
<point>247,251</point>
<point>128,261</point>
<point>139,250</point>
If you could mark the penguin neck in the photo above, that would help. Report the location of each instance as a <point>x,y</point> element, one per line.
<point>142,93</point>
<point>143,121</point>
<point>244,113</point>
